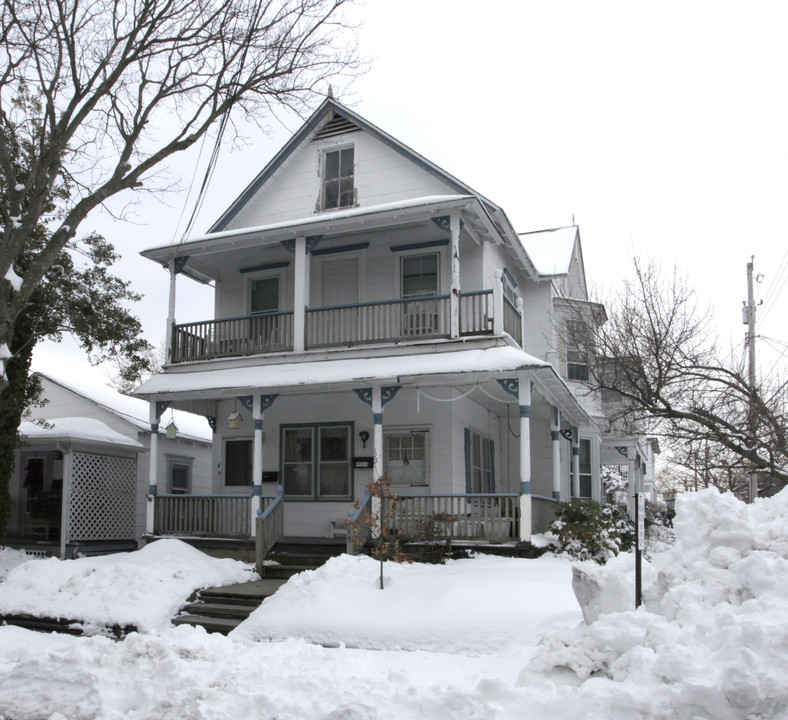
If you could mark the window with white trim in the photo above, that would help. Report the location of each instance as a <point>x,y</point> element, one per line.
<point>339,179</point>
<point>316,461</point>
<point>419,275</point>
<point>179,475</point>
<point>576,340</point>
<point>264,295</point>
<point>586,475</point>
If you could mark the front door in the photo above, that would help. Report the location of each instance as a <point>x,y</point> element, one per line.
<point>406,461</point>
<point>339,280</point>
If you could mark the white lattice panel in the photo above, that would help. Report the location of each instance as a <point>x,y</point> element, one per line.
<point>102,497</point>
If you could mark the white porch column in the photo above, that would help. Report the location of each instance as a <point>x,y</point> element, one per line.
<point>498,302</point>
<point>257,461</point>
<point>454,296</point>
<point>575,462</point>
<point>153,467</point>
<point>300,294</point>
<point>377,448</point>
<point>524,400</point>
<point>555,440</point>
<point>170,312</point>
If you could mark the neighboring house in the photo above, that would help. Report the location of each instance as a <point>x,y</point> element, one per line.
<point>373,314</point>
<point>81,475</point>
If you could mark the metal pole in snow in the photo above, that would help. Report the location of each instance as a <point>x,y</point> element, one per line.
<point>640,538</point>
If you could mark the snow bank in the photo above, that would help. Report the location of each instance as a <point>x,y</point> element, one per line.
<point>479,605</point>
<point>143,588</point>
<point>713,632</point>
<point>9,559</point>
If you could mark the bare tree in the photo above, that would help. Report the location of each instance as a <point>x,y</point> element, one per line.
<point>658,356</point>
<point>94,96</point>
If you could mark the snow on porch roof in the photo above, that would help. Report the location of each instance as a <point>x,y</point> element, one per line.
<point>77,428</point>
<point>333,373</point>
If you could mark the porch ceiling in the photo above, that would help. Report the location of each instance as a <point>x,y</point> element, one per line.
<point>451,367</point>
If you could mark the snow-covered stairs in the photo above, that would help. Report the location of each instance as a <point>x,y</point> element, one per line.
<point>222,609</point>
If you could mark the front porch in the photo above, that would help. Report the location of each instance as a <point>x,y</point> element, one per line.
<point>481,517</point>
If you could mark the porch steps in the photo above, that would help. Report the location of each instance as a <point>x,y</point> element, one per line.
<point>222,609</point>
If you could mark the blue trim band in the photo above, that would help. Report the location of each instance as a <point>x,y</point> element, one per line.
<point>341,249</point>
<point>153,490</point>
<point>555,436</point>
<point>575,450</point>
<point>525,411</point>
<point>270,266</point>
<point>257,490</point>
<point>556,495</point>
<point>377,418</point>
<point>154,428</point>
<point>525,488</point>
<point>258,423</point>
<point>419,246</point>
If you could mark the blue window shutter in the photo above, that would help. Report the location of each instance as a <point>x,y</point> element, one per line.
<point>492,466</point>
<point>467,460</point>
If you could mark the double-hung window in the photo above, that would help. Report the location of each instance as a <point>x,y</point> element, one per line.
<point>316,461</point>
<point>264,295</point>
<point>419,275</point>
<point>179,475</point>
<point>576,350</point>
<point>585,468</point>
<point>339,179</point>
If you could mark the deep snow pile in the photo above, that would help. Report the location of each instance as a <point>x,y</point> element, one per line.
<point>712,636</point>
<point>475,606</point>
<point>143,588</point>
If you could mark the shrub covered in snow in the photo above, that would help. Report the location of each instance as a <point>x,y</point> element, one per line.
<point>587,531</point>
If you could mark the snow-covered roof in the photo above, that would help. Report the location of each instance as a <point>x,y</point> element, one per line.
<point>551,250</point>
<point>136,411</point>
<point>331,373</point>
<point>77,428</point>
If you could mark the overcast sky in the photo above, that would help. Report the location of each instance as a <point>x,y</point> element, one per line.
<point>660,127</point>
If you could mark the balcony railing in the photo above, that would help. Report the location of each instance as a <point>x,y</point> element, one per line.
<point>376,322</point>
<point>230,337</point>
<point>384,321</point>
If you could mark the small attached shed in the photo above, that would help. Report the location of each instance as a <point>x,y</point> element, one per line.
<point>76,488</point>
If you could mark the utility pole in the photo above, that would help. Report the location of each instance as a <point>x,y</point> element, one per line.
<point>749,320</point>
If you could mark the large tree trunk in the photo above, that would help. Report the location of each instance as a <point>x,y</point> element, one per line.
<point>16,396</point>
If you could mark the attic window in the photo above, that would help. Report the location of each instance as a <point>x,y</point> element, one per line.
<point>338,179</point>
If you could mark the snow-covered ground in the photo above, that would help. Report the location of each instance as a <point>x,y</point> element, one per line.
<point>486,638</point>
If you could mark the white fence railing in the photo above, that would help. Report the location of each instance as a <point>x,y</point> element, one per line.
<point>203,515</point>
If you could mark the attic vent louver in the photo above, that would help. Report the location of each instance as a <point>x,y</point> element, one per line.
<point>336,126</point>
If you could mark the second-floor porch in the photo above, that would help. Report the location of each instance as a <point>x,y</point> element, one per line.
<point>483,312</point>
<point>425,269</point>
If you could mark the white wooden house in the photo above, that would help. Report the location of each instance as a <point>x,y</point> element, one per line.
<point>81,475</point>
<point>374,314</point>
